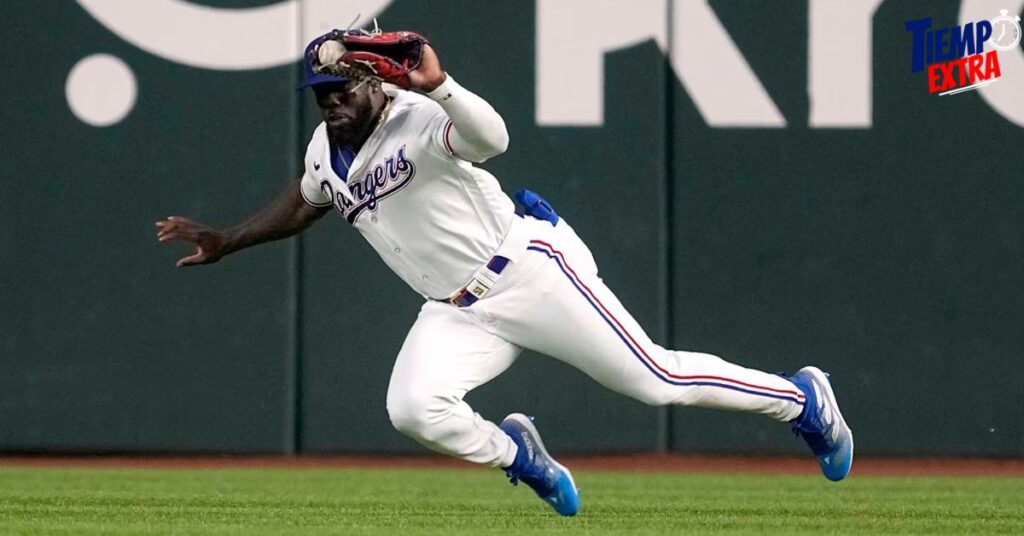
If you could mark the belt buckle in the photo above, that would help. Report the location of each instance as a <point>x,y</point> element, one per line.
<point>477,288</point>
<point>473,292</point>
<point>481,283</point>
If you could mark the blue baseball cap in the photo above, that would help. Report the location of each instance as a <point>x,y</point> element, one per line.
<point>310,61</point>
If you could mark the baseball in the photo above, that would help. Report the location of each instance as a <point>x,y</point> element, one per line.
<point>330,52</point>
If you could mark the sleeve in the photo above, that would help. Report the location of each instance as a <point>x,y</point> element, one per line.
<point>472,130</point>
<point>312,193</point>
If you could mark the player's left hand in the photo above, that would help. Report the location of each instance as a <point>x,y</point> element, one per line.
<point>428,75</point>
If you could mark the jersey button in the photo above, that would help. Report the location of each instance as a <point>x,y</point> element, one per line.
<point>373,219</point>
<point>398,250</point>
<point>425,277</point>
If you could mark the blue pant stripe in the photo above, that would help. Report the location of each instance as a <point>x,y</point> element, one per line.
<point>634,350</point>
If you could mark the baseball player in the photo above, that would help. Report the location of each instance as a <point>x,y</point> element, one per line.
<point>496,276</point>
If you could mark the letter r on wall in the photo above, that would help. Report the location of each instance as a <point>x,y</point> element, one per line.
<point>571,44</point>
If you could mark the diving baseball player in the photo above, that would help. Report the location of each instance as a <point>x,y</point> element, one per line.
<point>496,276</point>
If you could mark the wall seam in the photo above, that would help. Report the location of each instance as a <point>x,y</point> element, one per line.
<point>665,442</point>
<point>293,359</point>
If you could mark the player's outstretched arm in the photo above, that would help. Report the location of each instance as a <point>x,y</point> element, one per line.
<point>286,215</point>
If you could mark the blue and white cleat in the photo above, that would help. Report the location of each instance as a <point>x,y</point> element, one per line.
<point>821,424</point>
<point>534,466</point>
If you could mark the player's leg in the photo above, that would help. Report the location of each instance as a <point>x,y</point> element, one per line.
<point>555,303</point>
<point>446,354</point>
<point>560,307</point>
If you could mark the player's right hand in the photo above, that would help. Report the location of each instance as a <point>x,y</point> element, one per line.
<point>429,74</point>
<point>209,243</point>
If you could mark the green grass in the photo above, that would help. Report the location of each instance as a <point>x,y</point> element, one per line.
<point>412,502</point>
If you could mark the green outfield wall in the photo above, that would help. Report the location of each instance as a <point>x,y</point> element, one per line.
<point>765,181</point>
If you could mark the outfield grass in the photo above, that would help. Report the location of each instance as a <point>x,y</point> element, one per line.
<point>411,502</point>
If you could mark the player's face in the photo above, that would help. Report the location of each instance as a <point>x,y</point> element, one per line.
<point>346,108</point>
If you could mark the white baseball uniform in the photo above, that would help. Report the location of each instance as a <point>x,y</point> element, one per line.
<point>441,223</point>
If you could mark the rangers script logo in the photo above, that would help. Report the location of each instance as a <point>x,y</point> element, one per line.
<point>379,182</point>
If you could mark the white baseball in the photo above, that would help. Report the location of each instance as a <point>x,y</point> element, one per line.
<point>330,52</point>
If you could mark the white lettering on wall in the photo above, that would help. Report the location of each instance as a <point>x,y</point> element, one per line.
<point>227,39</point>
<point>571,44</point>
<point>839,65</point>
<point>715,73</point>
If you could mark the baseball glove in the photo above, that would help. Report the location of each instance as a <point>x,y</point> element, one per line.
<point>358,55</point>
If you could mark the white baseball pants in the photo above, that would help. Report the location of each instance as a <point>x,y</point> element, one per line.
<point>551,300</point>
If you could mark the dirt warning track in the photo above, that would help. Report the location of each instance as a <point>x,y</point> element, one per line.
<point>618,462</point>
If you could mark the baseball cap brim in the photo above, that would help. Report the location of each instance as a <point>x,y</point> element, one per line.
<point>322,78</point>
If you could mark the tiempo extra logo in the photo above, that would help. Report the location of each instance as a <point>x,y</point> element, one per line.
<point>955,57</point>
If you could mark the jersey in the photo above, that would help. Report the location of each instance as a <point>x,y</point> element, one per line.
<point>433,217</point>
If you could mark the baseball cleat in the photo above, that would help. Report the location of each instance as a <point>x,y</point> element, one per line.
<point>821,425</point>
<point>534,466</point>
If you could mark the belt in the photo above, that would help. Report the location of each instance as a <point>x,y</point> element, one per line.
<point>481,283</point>
<point>511,249</point>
